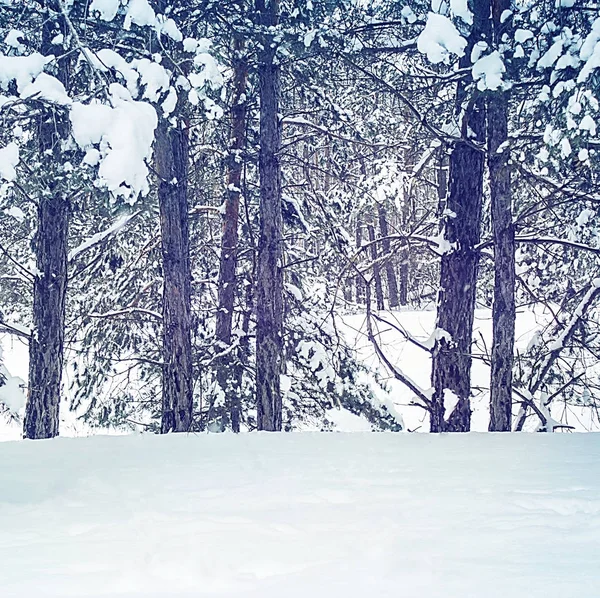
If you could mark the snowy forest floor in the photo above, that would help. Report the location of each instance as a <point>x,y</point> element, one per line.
<point>297,515</point>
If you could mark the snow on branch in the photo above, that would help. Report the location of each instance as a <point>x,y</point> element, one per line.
<point>94,240</point>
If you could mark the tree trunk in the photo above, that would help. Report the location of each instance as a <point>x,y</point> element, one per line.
<point>171,154</point>
<point>451,364</point>
<point>46,345</point>
<point>390,273</point>
<point>358,279</point>
<point>229,242</point>
<point>269,284</point>
<point>376,269</point>
<point>405,253</point>
<point>503,312</point>
<point>47,340</point>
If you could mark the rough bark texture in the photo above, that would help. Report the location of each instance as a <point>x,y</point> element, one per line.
<point>390,273</point>
<point>226,365</point>
<point>503,312</point>
<point>358,279</point>
<point>451,366</point>
<point>269,283</point>
<point>46,345</point>
<point>376,269</point>
<point>47,340</point>
<point>171,153</point>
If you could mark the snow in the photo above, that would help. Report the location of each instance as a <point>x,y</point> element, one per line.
<point>460,9</point>
<point>440,39</point>
<point>420,325</point>
<point>106,9</point>
<point>522,35</point>
<point>309,37</point>
<point>588,124</point>
<point>14,39</point>
<point>22,69</point>
<point>488,71</point>
<point>11,392</point>
<point>408,14</point>
<point>210,72</point>
<point>124,134</point>
<point>115,227</point>
<point>154,77</point>
<point>139,12</point>
<point>16,212</point>
<point>297,515</point>
<point>48,88</point>
<point>11,388</point>
<point>551,56</point>
<point>9,158</point>
<point>170,29</point>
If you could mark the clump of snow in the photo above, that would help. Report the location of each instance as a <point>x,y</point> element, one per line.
<point>309,38</point>
<point>48,88</point>
<point>461,10</point>
<point>588,124</point>
<point>11,392</point>
<point>154,77</point>
<point>124,133</point>
<point>169,28</point>
<point>106,9</point>
<point>210,72</point>
<point>522,35</point>
<point>9,158</point>
<point>451,400</point>
<point>440,39</point>
<point>21,69</point>
<point>584,217</point>
<point>139,12</point>
<point>488,71</point>
<point>11,388</point>
<point>408,14</point>
<point>14,39</point>
<point>551,55</point>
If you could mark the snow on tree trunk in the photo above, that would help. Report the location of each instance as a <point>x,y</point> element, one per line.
<point>269,283</point>
<point>171,155</point>
<point>451,364</point>
<point>46,345</point>
<point>226,365</point>
<point>503,311</point>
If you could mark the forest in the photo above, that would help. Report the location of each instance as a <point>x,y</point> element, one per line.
<point>214,215</point>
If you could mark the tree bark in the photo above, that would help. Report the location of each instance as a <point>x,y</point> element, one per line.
<point>359,282</point>
<point>46,345</point>
<point>269,284</point>
<point>390,273</point>
<point>503,311</point>
<point>171,155</point>
<point>451,363</point>
<point>376,269</point>
<point>226,376</point>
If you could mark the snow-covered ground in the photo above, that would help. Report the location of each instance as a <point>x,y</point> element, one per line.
<point>298,515</point>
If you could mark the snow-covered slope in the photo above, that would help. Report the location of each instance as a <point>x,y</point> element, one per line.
<point>299,515</point>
